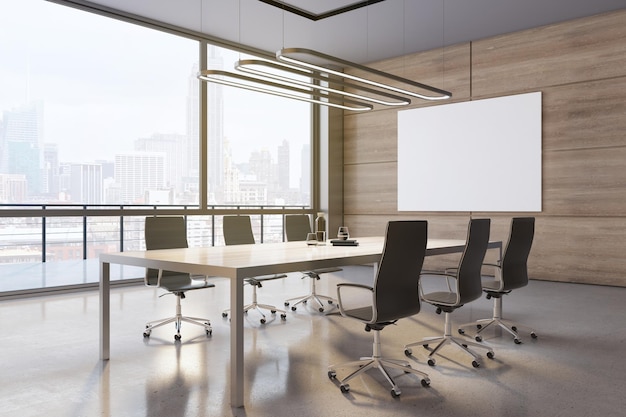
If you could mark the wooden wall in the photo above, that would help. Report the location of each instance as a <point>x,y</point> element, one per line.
<point>580,67</point>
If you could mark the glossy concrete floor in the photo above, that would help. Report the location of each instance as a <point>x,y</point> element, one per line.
<point>49,362</point>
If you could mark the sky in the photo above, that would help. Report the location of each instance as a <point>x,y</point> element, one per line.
<point>117,82</point>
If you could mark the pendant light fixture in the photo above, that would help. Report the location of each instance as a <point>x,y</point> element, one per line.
<point>311,76</point>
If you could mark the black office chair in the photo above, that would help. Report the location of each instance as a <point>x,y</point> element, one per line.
<point>238,231</point>
<point>510,273</point>
<point>297,226</point>
<point>393,296</point>
<point>171,233</point>
<point>467,287</point>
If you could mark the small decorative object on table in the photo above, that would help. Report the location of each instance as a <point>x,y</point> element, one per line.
<point>346,242</point>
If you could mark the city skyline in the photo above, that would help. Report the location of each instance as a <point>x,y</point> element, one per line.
<point>92,110</point>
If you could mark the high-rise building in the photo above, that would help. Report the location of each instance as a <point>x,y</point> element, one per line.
<point>172,146</point>
<point>283,166</point>
<point>51,169</point>
<point>305,173</point>
<point>22,145</point>
<point>137,173</point>
<point>12,188</point>
<point>86,183</point>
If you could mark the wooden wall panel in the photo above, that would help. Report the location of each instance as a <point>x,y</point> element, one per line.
<point>585,115</point>
<point>580,249</point>
<point>580,66</point>
<point>580,50</point>
<point>371,137</point>
<point>370,188</point>
<point>585,182</point>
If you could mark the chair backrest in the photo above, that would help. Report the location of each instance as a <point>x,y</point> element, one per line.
<point>297,226</point>
<point>164,233</point>
<point>397,280</point>
<point>515,257</point>
<point>238,230</point>
<point>469,272</point>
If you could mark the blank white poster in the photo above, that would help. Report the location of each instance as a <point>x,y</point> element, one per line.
<point>482,155</point>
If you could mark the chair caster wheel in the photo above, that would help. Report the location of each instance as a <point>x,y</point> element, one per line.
<point>475,364</point>
<point>514,328</point>
<point>533,335</point>
<point>491,355</point>
<point>286,303</point>
<point>263,321</point>
<point>431,362</point>
<point>479,326</point>
<point>146,334</point>
<point>395,393</point>
<point>345,388</point>
<point>478,338</point>
<point>408,352</point>
<point>330,301</point>
<point>273,311</point>
<point>283,316</point>
<point>332,374</point>
<point>426,383</point>
<point>517,341</point>
<point>177,337</point>
<point>224,315</point>
<point>293,308</point>
<point>461,331</point>
<point>321,309</point>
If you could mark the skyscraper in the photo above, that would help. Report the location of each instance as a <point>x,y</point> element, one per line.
<point>283,166</point>
<point>21,145</point>
<point>139,172</point>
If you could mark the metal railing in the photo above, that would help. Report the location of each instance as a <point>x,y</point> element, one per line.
<point>41,234</point>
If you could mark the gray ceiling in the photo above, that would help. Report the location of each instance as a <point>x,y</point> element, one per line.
<point>381,30</point>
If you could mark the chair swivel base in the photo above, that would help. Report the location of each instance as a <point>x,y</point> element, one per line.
<point>256,306</point>
<point>446,339</point>
<point>177,320</point>
<point>317,297</point>
<point>312,295</point>
<point>507,325</point>
<point>498,321</point>
<point>376,361</point>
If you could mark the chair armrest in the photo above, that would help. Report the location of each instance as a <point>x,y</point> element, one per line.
<point>444,274</point>
<point>497,270</point>
<point>158,282</point>
<point>354,296</point>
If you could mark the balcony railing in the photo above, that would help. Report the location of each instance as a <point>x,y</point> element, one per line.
<point>39,242</point>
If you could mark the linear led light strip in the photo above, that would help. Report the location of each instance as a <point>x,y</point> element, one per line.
<point>284,55</point>
<point>250,66</point>
<point>225,78</point>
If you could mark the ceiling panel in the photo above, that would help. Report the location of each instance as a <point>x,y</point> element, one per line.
<point>379,31</point>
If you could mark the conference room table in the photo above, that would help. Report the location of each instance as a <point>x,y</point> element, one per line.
<point>243,261</point>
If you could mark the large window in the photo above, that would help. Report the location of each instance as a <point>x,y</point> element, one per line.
<point>94,110</point>
<point>101,111</point>
<point>97,112</point>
